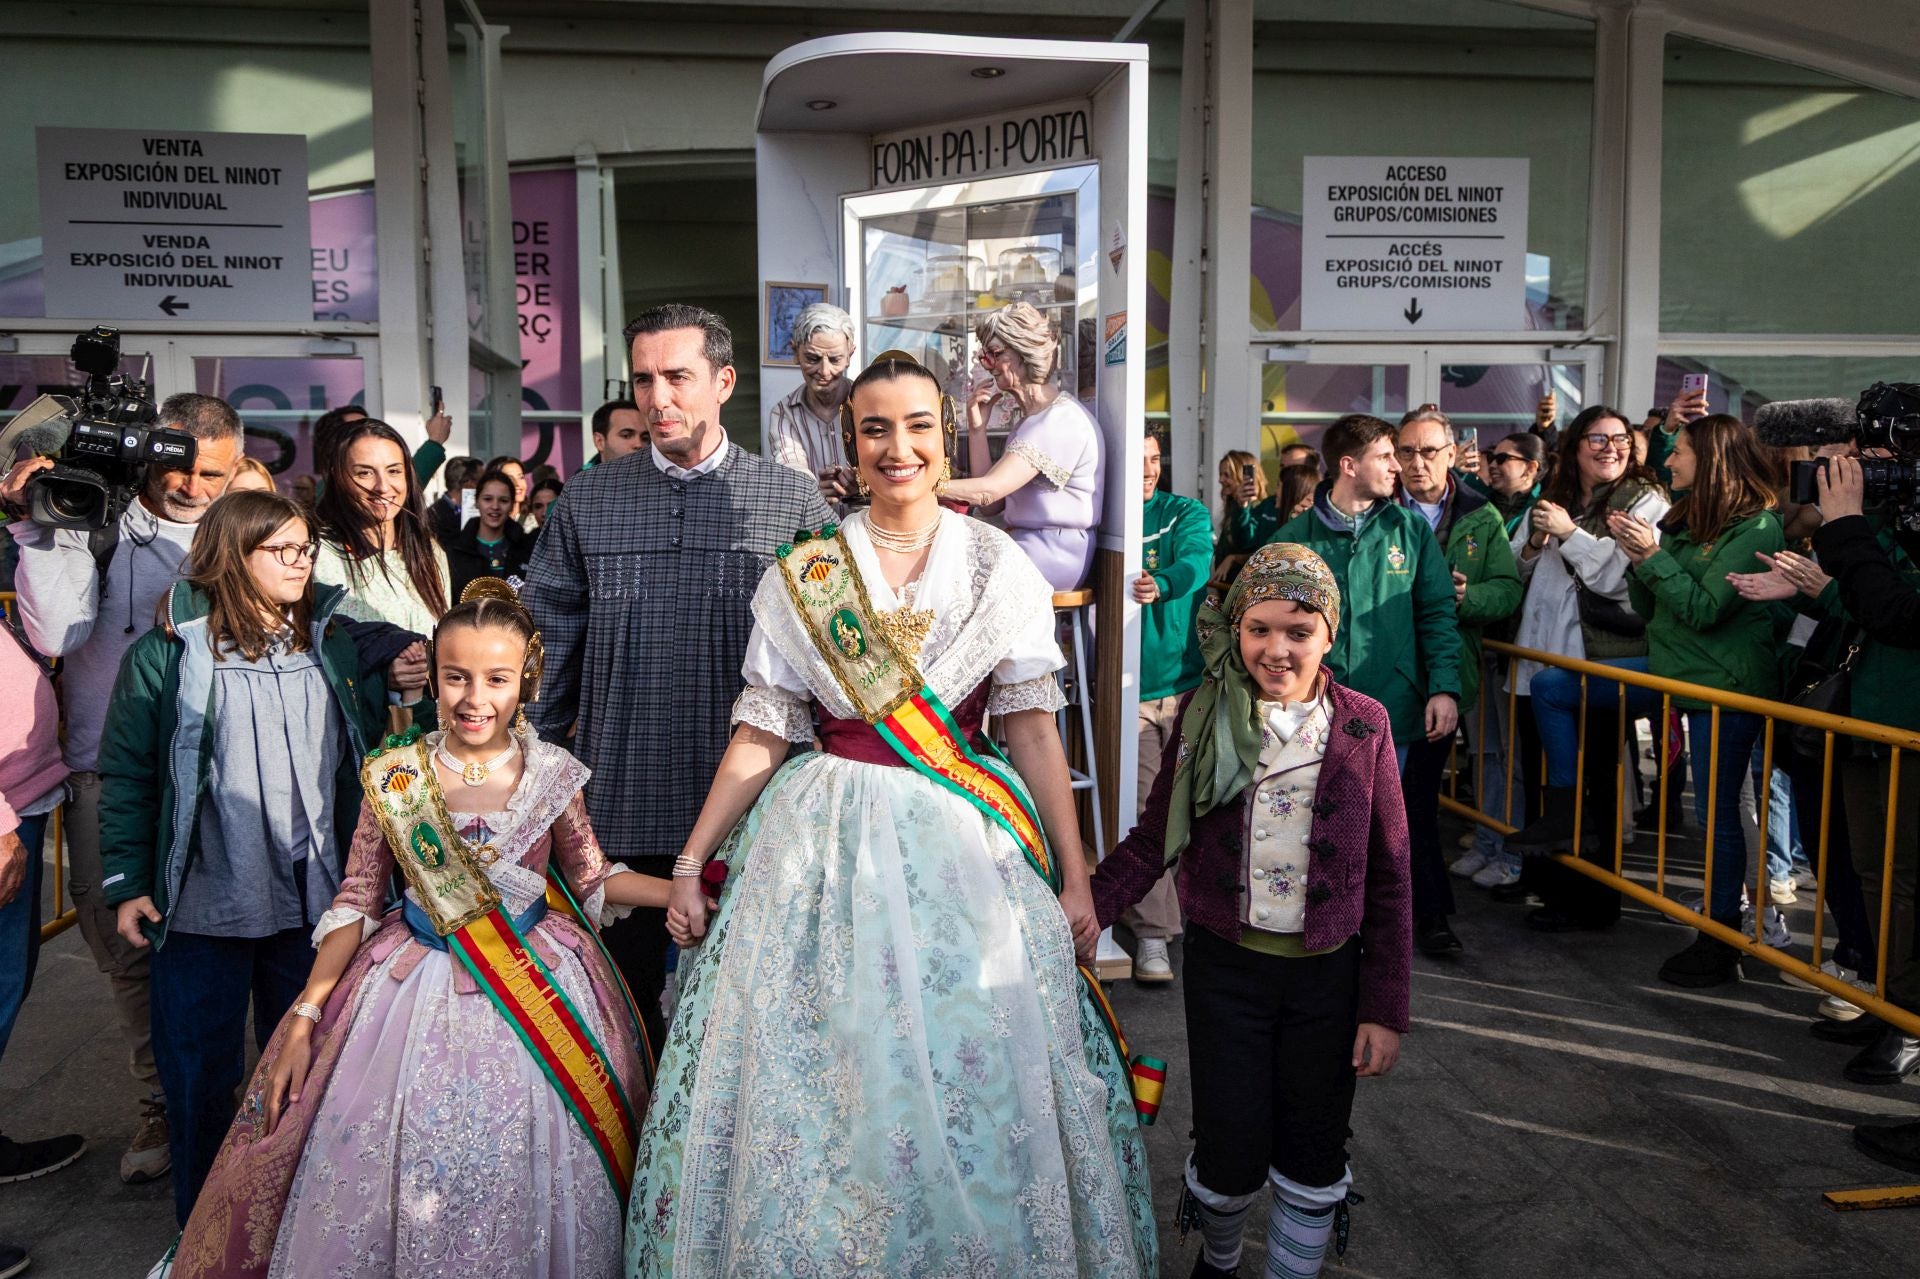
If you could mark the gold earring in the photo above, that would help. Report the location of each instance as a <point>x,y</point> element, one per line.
<point>520,726</point>
<point>860,485</point>
<point>946,477</point>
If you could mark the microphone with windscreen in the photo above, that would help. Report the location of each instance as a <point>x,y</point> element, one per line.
<point>1814,423</point>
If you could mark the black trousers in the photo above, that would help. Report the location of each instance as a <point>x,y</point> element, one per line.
<point>1420,792</point>
<point>1561,887</point>
<point>638,945</point>
<point>1270,1048</point>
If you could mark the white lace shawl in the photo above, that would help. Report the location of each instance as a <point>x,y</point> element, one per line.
<point>549,781</point>
<point>993,617</point>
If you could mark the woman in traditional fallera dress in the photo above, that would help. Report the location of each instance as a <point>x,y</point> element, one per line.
<point>884,1060</point>
<point>457,1091</point>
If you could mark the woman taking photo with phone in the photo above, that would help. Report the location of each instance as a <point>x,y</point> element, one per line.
<point>1575,573</point>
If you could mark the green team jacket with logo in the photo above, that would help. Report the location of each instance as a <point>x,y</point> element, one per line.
<point>1474,536</point>
<point>1399,638</point>
<point>1177,549</point>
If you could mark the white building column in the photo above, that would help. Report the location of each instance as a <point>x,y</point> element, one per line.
<point>1639,260</point>
<point>400,201</point>
<point>1232,407</point>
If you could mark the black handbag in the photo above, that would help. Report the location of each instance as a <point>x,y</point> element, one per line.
<point>1831,693</point>
<point>1604,613</point>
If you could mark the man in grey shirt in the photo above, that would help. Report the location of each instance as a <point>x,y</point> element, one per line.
<point>70,612</point>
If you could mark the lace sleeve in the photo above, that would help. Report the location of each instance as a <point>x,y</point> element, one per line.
<point>776,711</point>
<point>1042,694</point>
<point>363,889</point>
<point>1051,470</point>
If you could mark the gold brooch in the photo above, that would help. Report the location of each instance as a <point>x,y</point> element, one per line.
<point>904,629</point>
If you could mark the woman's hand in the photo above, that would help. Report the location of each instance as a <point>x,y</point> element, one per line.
<point>980,398</point>
<point>1688,406</point>
<point>1375,1049</point>
<point>1799,572</point>
<point>290,1070</point>
<point>1762,587</point>
<point>1635,536</point>
<point>1077,901</point>
<point>1842,488</point>
<point>1551,518</point>
<point>687,911</point>
<point>128,916</point>
<point>408,673</point>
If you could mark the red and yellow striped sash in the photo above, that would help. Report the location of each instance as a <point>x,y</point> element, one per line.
<point>520,986</point>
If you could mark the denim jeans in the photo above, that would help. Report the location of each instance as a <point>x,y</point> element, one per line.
<point>1556,710</point>
<point>1485,725</point>
<point>1784,852</point>
<point>20,931</point>
<point>1738,732</point>
<point>202,989</point>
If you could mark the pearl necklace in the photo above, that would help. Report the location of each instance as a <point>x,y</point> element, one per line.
<point>475,774</point>
<point>904,543</point>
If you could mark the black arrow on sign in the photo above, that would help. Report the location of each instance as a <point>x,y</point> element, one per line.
<point>173,306</point>
<point>1413,311</point>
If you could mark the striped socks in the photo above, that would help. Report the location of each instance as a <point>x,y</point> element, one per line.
<point>1221,1234</point>
<point>1296,1239</point>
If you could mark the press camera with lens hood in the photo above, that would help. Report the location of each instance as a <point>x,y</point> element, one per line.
<point>1885,419</point>
<point>102,440</point>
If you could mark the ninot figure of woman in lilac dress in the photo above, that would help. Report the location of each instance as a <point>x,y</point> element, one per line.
<point>1049,477</point>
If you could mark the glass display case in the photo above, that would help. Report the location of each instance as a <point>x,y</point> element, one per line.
<point>925,264</point>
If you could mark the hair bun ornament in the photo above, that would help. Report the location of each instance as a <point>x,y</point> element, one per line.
<point>491,588</point>
<point>896,354</point>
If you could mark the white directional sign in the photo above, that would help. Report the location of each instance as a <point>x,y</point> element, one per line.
<point>141,224</point>
<point>1412,244</point>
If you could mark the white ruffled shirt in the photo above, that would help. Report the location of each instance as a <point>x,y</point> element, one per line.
<point>974,574</point>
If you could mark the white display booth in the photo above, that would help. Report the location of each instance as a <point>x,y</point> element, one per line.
<point>921,180</point>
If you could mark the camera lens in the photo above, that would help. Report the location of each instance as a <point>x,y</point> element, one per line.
<point>77,502</point>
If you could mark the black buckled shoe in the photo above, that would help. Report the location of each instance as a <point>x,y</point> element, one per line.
<point>1552,831</point>
<point>1887,1060</point>
<point>1894,1144</point>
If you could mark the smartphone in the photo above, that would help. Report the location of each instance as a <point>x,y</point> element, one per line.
<point>1246,472</point>
<point>469,509</point>
<point>1469,437</point>
<point>439,402</point>
<point>1693,383</point>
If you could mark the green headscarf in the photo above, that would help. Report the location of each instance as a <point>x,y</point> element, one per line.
<point>1220,735</point>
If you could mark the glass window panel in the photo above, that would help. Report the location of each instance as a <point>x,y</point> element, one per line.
<point>466,74</point>
<point>1497,400</point>
<point>1787,199</point>
<point>1423,78</point>
<point>1298,401</point>
<point>279,399</point>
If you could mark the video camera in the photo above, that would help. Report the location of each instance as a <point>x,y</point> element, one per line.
<point>1886,417</point>
<point>102,441</point>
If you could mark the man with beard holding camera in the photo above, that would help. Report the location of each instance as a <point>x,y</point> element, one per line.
<point>86,597</point>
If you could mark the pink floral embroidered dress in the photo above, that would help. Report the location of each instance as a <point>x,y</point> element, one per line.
<point>427,1142</point>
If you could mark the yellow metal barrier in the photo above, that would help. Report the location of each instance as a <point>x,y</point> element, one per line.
<point>1899,741</point>
<point>65,914</point>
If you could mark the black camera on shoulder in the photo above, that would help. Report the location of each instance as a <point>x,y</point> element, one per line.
<point>1885,419</point>
<point>113,436</point>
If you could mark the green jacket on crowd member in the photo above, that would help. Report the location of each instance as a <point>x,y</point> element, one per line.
<point>154,763</point>
<point>1474,539</point>
<point>1699,629</point>
<point>427,459</point>
<point>1884,686</point>
<point>1245,529</point>
<point>1177,552</point>
<point>1399,637</point>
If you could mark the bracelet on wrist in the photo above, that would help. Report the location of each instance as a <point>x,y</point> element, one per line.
<point>688,865</point>
<point>312,1012</point>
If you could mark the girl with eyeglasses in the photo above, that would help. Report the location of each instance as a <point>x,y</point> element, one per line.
<point>228,796</point>
<point>1576,571</point>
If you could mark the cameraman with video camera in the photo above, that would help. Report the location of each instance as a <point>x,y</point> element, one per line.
<point>85,596</point>
<point>1868,575</point>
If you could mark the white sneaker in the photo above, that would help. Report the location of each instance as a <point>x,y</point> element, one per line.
<point>1830,968</point>
<point>1468,866</point>
<point>1834,1008</point>
<point>1777,934</point>
<point>1498,874</point>
<point>1782,892</point>
<point>1151,963</point>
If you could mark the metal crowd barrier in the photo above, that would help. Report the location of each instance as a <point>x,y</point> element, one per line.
<point>65,914</point>
<point>1830,726</point>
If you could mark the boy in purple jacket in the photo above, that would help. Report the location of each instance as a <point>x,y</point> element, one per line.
<point>1280,797</point>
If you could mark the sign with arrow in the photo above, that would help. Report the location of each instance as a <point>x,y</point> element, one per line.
<point>1413,244</point>
<point>140,225</point>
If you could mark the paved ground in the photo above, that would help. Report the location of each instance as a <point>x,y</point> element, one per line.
<point>1558,1112</point>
